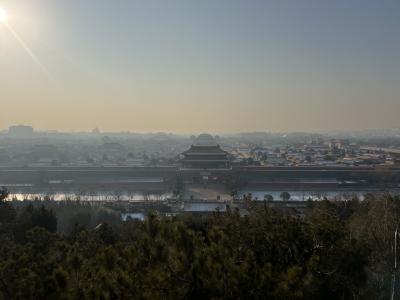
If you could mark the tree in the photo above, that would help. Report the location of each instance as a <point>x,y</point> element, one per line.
<point>268,197</point>
<point>32,217</point>
<point>44,218</point>
<point>3,194</point>
<point>285,196</point>
<point>339,250</point>
<point>7,212</point>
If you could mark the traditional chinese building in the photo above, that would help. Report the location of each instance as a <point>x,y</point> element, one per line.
<point>205,154</point>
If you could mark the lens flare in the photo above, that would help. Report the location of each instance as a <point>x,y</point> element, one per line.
<point>3,16</point>
<point>4,20</point>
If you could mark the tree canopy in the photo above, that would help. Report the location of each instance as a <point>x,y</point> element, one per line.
<point>339,250</point>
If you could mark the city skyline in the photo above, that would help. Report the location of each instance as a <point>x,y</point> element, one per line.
<point>192,67</point>
<point>96,130</point>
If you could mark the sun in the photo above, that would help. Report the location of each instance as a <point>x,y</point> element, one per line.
<point>3,16</point>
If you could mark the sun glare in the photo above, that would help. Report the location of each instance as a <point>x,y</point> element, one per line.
<point>3,16</point>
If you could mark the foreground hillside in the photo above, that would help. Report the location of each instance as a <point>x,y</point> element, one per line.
<point>340,250</point>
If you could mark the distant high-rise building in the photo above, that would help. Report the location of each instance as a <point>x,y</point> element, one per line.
<point>20,130</point>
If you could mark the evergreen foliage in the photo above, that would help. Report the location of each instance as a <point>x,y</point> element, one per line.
<point>339,250</point>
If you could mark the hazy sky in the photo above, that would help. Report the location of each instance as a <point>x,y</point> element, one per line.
<point>205,65</point>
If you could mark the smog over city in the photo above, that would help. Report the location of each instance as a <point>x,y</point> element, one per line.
<point>224,149</point>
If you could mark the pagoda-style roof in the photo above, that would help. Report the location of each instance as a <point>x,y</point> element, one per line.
<point>205,153</point>
<point>204,160</point>
<point>205,150</point>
